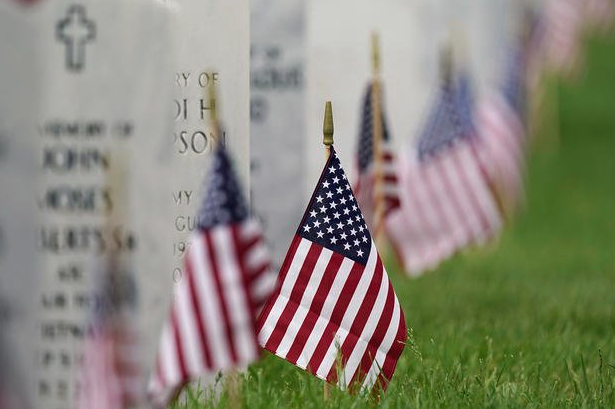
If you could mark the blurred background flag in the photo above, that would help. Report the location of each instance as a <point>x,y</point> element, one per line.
<point>364,185</point>
<point>563,35</point>
<point>111,374</point>
<point>534,22</point>
<point>334,308</point>
<point>376,184</point>
<point>600,14</point>
<point>446,201</point>
<point>500,120</point>
<point>211,326</point>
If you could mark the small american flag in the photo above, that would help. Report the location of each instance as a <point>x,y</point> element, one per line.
<point>501,126</point>
<point>333,297</point>
<point>111,373</point>
<point>600,14</point>
<point>212,321</point>
<point>536,24</point>
<point>364,184</point>
<point>446,201</point>
<point>563,35</point>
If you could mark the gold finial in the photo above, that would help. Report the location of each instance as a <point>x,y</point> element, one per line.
<point>375,54</point>
<point>213,110</point>
<point>327,128</point>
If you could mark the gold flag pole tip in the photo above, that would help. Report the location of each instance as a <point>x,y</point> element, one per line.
<point>375,54</point>
<point>327,128</point>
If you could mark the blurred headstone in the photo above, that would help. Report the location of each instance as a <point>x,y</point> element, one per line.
<point>484,26</point>
<point>277,111</point>
<point>93,94</point>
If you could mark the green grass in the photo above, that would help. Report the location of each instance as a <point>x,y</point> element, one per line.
<point>530,323</point>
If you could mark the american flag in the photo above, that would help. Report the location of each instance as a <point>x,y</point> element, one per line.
<point>501,125</point>
<point>333,297</point>
<point>446,200</point>
<point>211,327</point>
<point>563,35</point>
<point>111,373</point>
<point>600,14</point>
<point>364,184</point>
<point>536,24</point>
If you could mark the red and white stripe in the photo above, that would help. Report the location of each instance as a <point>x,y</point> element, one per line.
<point>446,204</point>
<point>212,322</point>
<point>564,29</point>
<point>600,14</point>
<point>366,194</point>
<point>112,376</point>
<point>501,149</point>
<point>535,57</point>
<point>327,307</point>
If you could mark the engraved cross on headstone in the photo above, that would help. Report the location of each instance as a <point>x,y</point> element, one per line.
<point>75,31</point>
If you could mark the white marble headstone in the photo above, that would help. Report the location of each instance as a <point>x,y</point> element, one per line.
<point>482,26</point>
<point>278,119</point>
<point>100,107</point>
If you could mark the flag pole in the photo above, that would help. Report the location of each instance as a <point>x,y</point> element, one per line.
<point>232,376</point>
<point>327,140</point>
<point>377,141</point>
<point>213,111</point>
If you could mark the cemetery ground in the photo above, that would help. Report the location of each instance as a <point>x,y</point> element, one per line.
<point>529,323</point>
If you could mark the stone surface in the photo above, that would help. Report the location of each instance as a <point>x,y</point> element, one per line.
<point>278,123</point>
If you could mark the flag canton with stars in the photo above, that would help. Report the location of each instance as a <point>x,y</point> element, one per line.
<point>223,202</point>
<point>333,218</point>
<point>450,119</point>
<point>366,138</point>
<point>463,108</point>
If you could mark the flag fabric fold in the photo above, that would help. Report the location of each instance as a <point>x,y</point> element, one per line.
<point>226,279</point>
<point>500,120</point>
<point>446,201</point>
<point>334,312</point>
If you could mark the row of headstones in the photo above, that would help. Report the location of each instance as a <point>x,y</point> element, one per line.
<point>85,91</point>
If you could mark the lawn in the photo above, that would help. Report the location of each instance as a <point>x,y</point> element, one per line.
<point>527,323</point>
